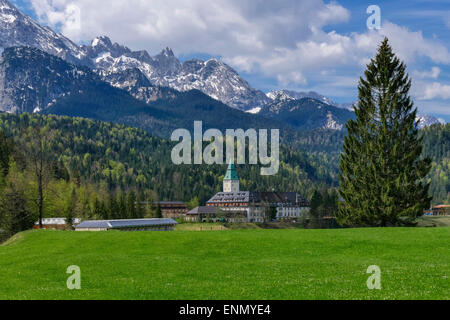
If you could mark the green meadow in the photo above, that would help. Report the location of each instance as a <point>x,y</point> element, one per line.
<point>228,264</point>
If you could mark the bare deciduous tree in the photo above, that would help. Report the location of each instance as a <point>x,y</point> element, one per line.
<point>36,150</point>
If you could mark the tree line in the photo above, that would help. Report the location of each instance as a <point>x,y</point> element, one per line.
<point>54,166</point>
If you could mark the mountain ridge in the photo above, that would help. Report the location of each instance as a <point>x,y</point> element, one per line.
<point>112,61</point>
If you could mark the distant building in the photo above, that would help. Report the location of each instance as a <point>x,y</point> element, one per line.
<point>258,206</point>
<point>287,205</point>
<point>163,224</point>
<point>215,214</point>
<point>440,210</point>
<point>172,209</point>
<point>55,223</point>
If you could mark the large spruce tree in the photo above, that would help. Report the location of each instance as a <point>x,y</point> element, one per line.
<point>382,171</point>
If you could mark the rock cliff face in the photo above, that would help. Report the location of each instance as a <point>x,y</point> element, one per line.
<point>30,79</point>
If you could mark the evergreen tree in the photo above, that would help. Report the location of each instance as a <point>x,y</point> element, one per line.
<point>131,205</point>
<point>140,205</point>
<point>14,212</point>
<point>382,172</point>
<point>330,202</point>
<point>113,207</point>
<point>316,208</point>
<point>316,201</point>
<point>148,208</point>
<point>4,155</point>
<point>97,208</point>
<point>69,208</point>
<point>122,206</point>
<point>158,212</point>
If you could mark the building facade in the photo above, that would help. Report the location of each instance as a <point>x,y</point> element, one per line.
<point>216,214</point>
<point>440,210</point>
<point>258,206</point>
<point>172,209</point>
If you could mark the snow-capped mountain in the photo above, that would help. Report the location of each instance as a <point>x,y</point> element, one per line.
<point>143,75</point>
<point>17,29</point>
<point>212,77</point>
<point>137,84</point>
<point>306,113</point>
<point>305,110</point>
<point>281,98</point>
<point>283,95</point>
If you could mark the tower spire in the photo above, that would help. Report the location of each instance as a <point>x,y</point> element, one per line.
<point>231,179</point>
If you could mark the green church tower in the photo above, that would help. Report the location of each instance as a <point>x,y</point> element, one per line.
<point>231,179</point>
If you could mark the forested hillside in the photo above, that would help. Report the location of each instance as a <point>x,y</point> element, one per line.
<point>98,169</point>
<point>436,142</point>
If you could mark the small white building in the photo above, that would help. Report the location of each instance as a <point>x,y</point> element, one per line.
<point>55,223</point>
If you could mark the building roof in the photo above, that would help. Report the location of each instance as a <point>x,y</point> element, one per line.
<point>231,172</point>
<point>285,198</point>
<point>124,223</point>
<point>170,202</point>
<point>240,196</point>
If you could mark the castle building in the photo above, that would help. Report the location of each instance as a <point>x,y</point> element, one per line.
<point>258,206</point>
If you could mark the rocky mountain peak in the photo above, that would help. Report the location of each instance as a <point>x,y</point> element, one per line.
<point>166,63</point>
<point>167,52</point>
<point>103,41</point>
<point>103,45</point>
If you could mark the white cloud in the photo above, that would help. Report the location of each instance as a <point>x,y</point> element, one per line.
<point>282,39</point>
<point>433,73</point>
<point>410,45</point>
<point>291,78</point>
<point>436,90</point>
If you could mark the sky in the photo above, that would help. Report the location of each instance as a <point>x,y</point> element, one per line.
<point>305,45</point>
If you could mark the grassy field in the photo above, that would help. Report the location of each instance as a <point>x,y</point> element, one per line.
<point>228,264</point>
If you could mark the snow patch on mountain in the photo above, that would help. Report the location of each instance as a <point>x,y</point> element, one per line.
<point>255,110</point>
<point>426,120</point>
<point>332,123</point>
